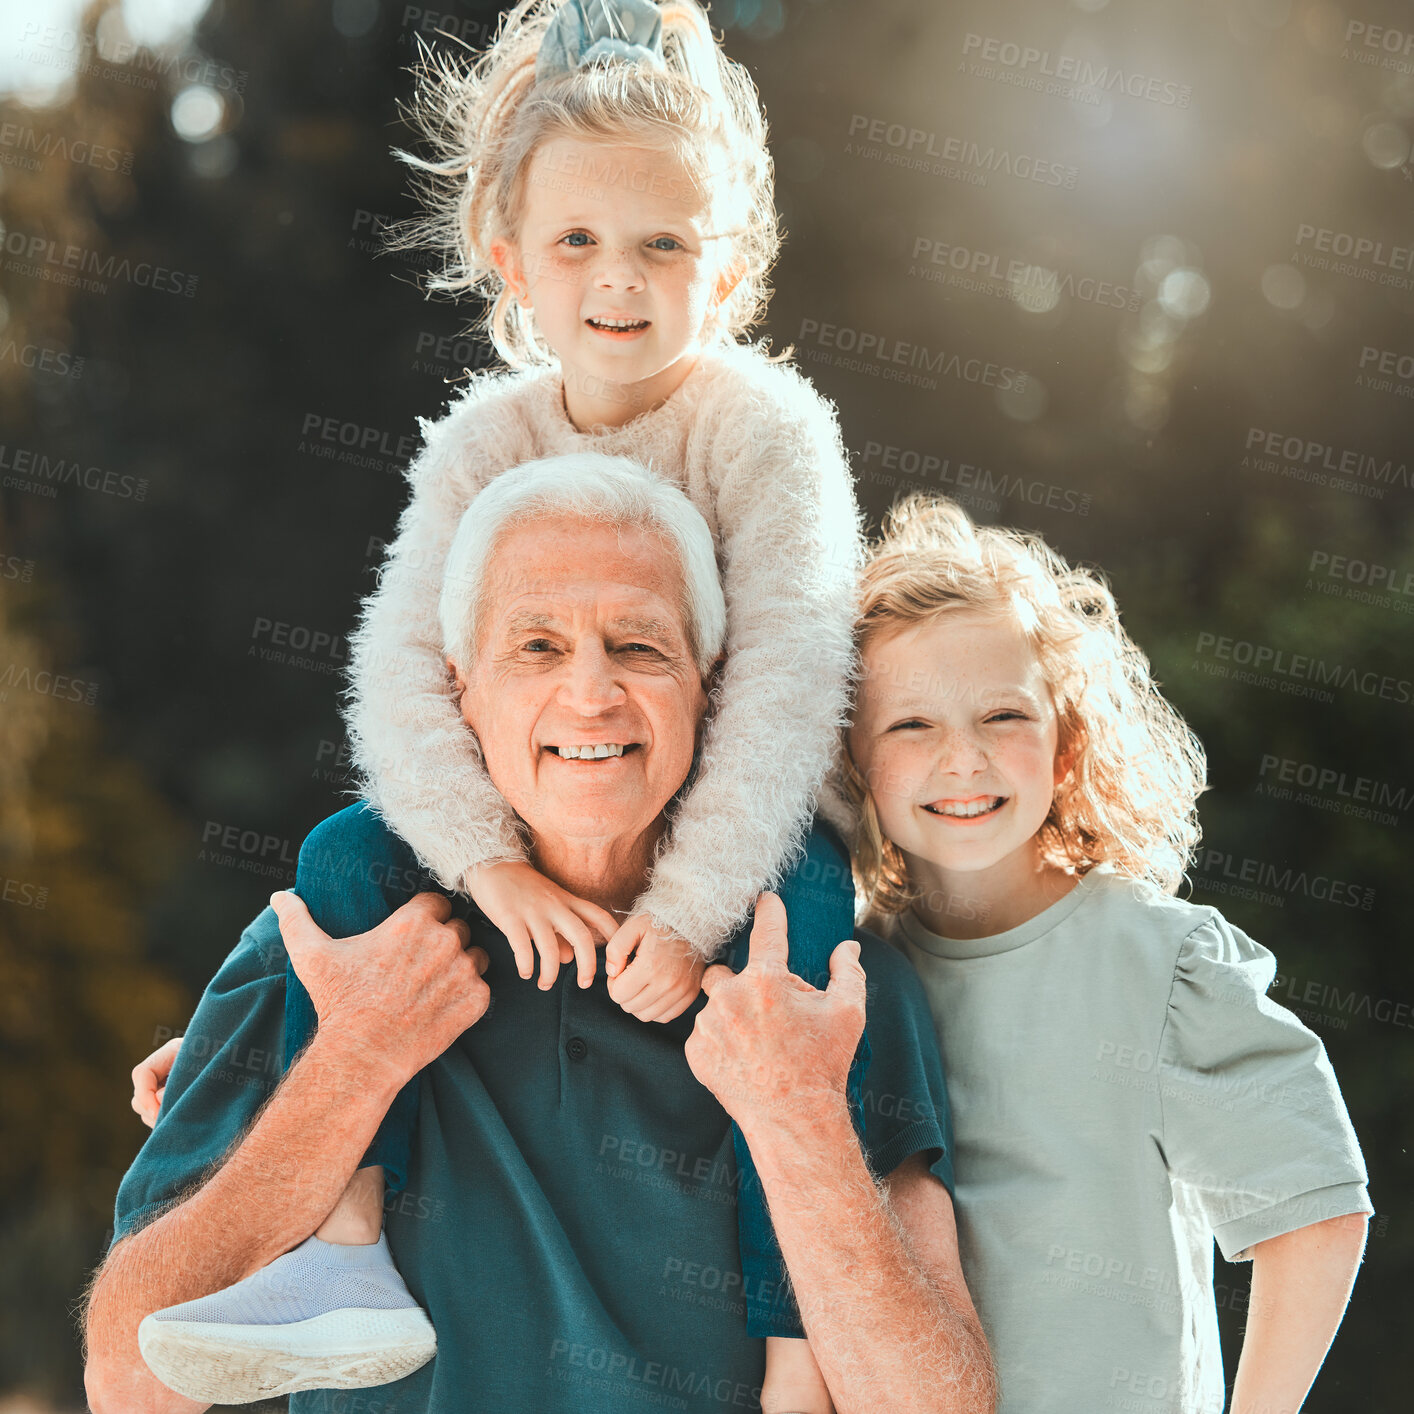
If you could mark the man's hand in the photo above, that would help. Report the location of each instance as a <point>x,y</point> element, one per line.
<point>150,1080</point>
<point>538,916</point>
<point>663,979</point>
<point>770,1046</point>
<point>397,996</point>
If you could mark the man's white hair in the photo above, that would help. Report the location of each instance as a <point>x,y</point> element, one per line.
<point>611,491</point>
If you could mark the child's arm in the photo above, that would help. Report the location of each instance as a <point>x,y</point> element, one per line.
<point>1301,1283</point>
<point>790,551</point>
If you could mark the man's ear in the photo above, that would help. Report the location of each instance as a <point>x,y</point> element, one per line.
<point>506,258</point>
<point>458,682</point>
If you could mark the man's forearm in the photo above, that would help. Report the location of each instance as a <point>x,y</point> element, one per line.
<point>273,1190</point>
<point>885,1336</point>
<point>1301,1283</point>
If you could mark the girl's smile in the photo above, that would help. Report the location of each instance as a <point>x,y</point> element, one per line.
<point>956,736</point>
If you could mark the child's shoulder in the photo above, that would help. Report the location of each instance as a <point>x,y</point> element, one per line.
<point>492,402</point>
<point>1138,915</point>
<point>749,382</point>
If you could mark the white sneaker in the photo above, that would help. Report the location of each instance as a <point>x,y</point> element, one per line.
<point>320,1317</point>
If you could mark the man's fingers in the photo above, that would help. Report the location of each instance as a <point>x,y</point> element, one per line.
<point>435,905</point>
<point>715,976</point>
<point>480,960</point>
<point>768,933</point>
<point>297,928</point>
<point>847,981</point>
<point>462,929</point>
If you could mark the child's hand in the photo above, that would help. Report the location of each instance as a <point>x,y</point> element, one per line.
<point>664,976</point>
<point>539,916</point>
<point>150,1080</point>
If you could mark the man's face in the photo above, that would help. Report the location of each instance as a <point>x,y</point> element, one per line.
<point>582,644</point>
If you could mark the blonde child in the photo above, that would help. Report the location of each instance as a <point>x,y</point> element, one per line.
<point>1122,1089</point>
<point>603,180</point>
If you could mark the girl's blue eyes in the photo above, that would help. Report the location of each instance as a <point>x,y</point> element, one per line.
<point>913,724</point>
<point>578,240</point>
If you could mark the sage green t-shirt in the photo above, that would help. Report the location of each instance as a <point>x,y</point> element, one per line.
<point>1122,1092</point>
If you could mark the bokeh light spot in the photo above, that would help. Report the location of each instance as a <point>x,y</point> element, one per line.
<point>1284,286</point>
<point>1184,293</point>
<point>1386,144</point>
<point>197,112</point>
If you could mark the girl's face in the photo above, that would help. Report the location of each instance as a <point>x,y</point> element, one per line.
<point>955,735</point>
<point>616,256</point>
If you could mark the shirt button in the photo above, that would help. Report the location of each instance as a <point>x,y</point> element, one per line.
<point>575,1048</point>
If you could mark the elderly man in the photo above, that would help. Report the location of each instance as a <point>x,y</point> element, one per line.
<point>569,1217</point>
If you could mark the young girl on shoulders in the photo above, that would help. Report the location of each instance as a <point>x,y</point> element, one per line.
<point>1123,1091</point>
<point>601,177</point>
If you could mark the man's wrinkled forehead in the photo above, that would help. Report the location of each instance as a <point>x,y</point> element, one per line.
<point>561,613</point>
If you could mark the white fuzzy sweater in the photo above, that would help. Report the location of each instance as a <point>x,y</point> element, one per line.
<point>758,452</point>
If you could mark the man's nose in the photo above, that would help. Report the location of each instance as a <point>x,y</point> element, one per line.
<point>618,269</point>
<point>590,685</point>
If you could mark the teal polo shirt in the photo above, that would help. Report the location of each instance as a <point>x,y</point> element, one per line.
<point>569,1221</point>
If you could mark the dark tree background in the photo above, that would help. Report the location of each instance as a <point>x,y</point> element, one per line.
<point>1138,275</point>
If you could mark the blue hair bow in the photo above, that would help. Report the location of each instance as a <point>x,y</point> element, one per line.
<point>585,30</point>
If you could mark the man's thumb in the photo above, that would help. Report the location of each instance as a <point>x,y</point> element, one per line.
<point>296,926</point>
<point>846,973</point>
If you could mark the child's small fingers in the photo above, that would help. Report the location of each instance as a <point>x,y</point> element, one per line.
<point>547,944</point>
<point>518,936</point>
<point>600,919</point>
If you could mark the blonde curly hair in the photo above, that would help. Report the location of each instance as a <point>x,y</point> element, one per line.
<point>1136,770</point>
<point>484,116</point>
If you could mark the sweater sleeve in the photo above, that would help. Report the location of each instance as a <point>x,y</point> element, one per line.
<point>419,764</point>
<point>790,549</point>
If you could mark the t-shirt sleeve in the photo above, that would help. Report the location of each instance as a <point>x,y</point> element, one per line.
<point>229,1062</point>
<point>905,1100</point>
<point>1255,1131</point>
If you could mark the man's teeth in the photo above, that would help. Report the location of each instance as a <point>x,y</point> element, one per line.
<point>619,323</point>
<point>967,808</point>
<point>589,753</point>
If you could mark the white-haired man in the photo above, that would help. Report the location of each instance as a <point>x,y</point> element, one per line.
<point>569,1213</point>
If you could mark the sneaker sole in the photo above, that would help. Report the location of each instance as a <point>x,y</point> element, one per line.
<point>230,1364</point>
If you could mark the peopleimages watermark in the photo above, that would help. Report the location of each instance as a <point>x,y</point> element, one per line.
<point>355,444</point>
<point>906,468</point>
<point>123,60</point>
<point>1379,46</point>
<point>959,159</point>
<point>898,360</point>
<point>1218,871</point>
<point>1361,581</point>
<point>25,146</point>
<point>41,358</point>
<point>1030,285</point>
<point>1361,257</point>
<point>1320,463</point>
<point>38,257</point>
<point>1284,778</point>
<point>44,682</point>
<point>1300,674</point>
<point>1063,75</point>
<point>41,475</point>
<point>1386,371</point>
